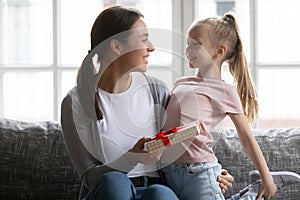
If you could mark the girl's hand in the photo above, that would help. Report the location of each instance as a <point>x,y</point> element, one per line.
<point>225,180</point>
<point>138,154</point>
<point>267,191</point>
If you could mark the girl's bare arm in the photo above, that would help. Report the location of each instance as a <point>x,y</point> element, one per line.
<point>254,152</point>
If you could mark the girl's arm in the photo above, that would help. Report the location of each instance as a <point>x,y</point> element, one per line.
<point>253,151</point>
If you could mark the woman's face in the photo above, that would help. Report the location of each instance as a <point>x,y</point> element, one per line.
<point>135,51</point>
<point>199,50</point>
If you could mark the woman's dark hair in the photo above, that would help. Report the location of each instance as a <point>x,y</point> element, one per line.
<point>110,24</point>
<point>113,21</point>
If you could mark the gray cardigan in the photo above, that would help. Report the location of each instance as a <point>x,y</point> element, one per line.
<point>86,165</point>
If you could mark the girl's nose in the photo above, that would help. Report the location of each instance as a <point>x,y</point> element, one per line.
<point>187,49</point>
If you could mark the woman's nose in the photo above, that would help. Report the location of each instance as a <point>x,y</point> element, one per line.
<point>150,47</point>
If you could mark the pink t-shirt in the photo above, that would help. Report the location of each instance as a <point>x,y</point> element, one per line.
<point>202,99</point>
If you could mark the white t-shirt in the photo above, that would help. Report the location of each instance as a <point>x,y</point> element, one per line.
<point>124,123</point>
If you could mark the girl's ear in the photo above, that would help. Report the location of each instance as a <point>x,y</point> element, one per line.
<point>222,50</point>
<point>115,45</point>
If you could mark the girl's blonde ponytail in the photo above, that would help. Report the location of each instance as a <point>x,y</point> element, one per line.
<point>238,67</point>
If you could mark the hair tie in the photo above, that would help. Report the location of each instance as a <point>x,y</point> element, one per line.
<point>228,19</point>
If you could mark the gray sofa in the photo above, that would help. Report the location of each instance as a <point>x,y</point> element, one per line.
<point>34,163</point>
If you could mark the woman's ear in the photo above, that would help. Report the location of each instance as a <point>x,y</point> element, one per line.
<point>115,45</point>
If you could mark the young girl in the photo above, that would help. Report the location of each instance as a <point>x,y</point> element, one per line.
<point>208,99</point>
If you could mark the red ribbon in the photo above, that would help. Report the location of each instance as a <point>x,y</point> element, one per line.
<point>163,135</point>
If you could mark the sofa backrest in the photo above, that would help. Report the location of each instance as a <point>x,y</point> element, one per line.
<point>34,162</point>
<point>281,149</point>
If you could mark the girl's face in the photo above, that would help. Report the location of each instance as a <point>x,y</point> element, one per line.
<point>135,51</point>
<point>199,50</point>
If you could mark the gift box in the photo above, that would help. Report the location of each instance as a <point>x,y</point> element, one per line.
<point>173,136</point>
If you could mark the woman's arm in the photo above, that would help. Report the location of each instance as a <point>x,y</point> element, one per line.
<point>225,180</point>
<point>253,151</point>
<point>88,167</point>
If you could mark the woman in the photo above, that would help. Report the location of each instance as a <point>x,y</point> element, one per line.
<point>106,117</point>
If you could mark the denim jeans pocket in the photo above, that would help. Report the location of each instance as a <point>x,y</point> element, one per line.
<point>195,168</point>
<point>201,181</point>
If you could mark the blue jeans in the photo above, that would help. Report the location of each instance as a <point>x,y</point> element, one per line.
<point>194,181</point>
<point>198,181</point>
<point>117,186</point>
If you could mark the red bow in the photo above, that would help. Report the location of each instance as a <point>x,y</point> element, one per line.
<point>163,135</point>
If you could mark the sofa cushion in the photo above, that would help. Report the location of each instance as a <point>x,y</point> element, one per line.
<point>281,149</point>
<point>34,162</point>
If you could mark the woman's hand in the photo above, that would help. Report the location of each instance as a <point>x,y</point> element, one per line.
<point>138,154</point>
<point>225,180</point>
